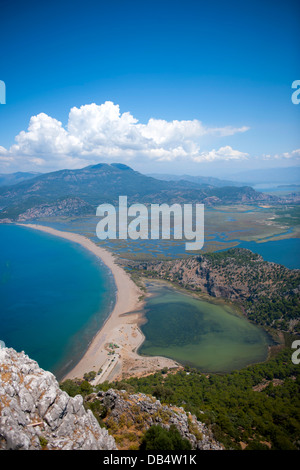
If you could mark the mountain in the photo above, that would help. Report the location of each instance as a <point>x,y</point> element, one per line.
<point>104,183</point>
<point>197,180</point>
<point>14,178</point>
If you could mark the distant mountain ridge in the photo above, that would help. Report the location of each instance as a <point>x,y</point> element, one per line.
<point>104,183</point>
<point>14,178</point>
<point>198,180</point>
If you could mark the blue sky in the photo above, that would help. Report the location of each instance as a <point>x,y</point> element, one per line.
<point>226,65</point>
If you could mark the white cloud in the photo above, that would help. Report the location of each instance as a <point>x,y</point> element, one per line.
<point>3,151</point>
<point>45,136</point>
<point>224,153</point>
<point>295,154</point>
<point>228,130</point>
<point>98,133</point>
<point>5,158</point>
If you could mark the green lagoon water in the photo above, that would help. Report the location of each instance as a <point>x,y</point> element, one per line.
<point>210,337</point>
<point>54,297</point>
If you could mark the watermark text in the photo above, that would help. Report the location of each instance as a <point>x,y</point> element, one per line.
<point>296,94</point>
<point>296,354</point>
<point>2,92</point>
<point>157,221</point>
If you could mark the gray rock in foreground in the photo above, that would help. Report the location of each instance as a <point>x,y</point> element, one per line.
<point>36,414</point>
<point>140,408</point>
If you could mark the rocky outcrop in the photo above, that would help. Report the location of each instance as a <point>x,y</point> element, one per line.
<point>69,207</point>
<point>139,412</point>
<point>36,414</point>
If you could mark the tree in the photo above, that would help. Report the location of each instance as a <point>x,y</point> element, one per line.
<point>89,376</point>
<point>159,438</point>
<point>85,388</point>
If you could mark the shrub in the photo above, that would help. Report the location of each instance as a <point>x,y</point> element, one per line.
<point>70,387</point>
<point>85,388</point>
<point>43,441</point>
<point>89,376</point>
<point>158,438</point>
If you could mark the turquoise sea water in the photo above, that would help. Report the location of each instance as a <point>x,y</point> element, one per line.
<point>54,297</point>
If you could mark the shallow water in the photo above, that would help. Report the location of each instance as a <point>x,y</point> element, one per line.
<point>285,252</point>
<point>210,337</point>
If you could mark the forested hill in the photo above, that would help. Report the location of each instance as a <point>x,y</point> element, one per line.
<point>14,178</point>
<point>267,292</point>
<point>104,183</point>
<point>257,408</point>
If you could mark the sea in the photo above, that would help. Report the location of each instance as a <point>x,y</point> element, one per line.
<point>54,297</point>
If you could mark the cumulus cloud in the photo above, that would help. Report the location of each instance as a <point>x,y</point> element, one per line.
<point>5,158</point>
<point>295,154</point>
<point>224,153</point>
<point>98,133</point>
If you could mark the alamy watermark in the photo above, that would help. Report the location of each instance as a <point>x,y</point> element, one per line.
<point>2,92</point>
<point>156,221</point>
<point>296,94</point>
<point>2,344</point>
<point>296,354</point>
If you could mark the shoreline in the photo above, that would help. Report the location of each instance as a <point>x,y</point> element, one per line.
<point>121,328</point>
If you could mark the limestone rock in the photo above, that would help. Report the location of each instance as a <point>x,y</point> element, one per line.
<point>140,408</point>
<point>36,414</point>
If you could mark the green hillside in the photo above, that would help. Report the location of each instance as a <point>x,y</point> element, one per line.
<point>104,183</point>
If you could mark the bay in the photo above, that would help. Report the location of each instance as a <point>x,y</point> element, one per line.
<point>54,297</point>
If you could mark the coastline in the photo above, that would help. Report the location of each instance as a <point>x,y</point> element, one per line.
<point>121,328</point>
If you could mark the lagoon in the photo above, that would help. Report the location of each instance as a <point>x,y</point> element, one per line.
<point>211,337</point>
<point>285,251</point>
<point>282,251</point>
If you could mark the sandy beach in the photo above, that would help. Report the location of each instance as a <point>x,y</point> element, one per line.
<point>112,353</point>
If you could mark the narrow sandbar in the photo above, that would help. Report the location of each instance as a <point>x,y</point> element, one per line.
<point>120,329</point>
